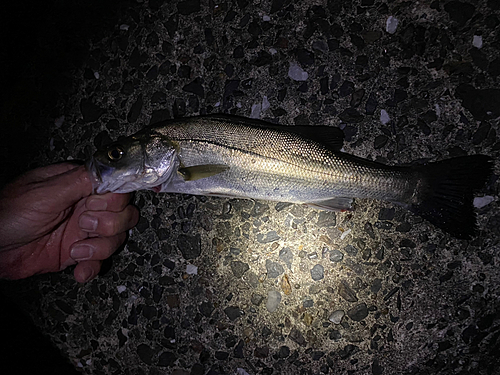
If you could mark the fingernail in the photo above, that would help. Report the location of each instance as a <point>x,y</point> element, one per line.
<point>88,223</point>
<point>82,252</point>
<point>96,204</point>
<point>87,273</point>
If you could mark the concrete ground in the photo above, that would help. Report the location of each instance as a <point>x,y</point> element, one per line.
<point>373,291</point>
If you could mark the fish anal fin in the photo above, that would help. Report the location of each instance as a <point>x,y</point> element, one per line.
<point>333,204</point>
<point>197,172</point>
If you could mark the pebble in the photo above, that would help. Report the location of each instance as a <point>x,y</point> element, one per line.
<point>195,87</point>
<point>358,312</point>
<point>347,88</point>
<point>384,117</point>
<point>480,202</point>
<point>257,299</point>
<point>90,111</point>
<point>191,269</point>
<point>281,206</point>
<point>351,116</point>
<point>285,285</point>
<point>377,369</point>
<point>477,41</point>
<point>351,250</point>
<point>235,251</point>
<point>273,300</point>
<point>286,256</point>
<point>320,45</point>
<point>259,209</point>
<point>336,316</point>
<point>324,252</point>
<point>460,12</point>
<point>296,73</point>
<point>233,312</point>
<point>268,237</point>
<point>274,269</point>
<point>371,104</point>
<point>221,356</point>
<point>145,353</point>
<point>386,214</point>
<point>297,336</point>
<point>239,268</point>
<point>187,7</point>
<point>206,308</point>
<point>346,292</point>
<point>345,234</point>
<point>317,272</point>
<point>308,319</point>
<point>335,335</point>
<point>265,104</point>
<point>190,246</point>
<point>391,25</point>
<point>326,219</point>
<point>121,288</point>
<point>403,227</point>
<point>284,351</point>
<point>256,109</point>
<point>308,303</point>
<point>336,256</point>
<point>383,225</point>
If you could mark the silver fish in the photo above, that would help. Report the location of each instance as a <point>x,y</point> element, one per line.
<point>229,156</point>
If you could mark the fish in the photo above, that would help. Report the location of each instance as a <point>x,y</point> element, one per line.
<point>231,156</point>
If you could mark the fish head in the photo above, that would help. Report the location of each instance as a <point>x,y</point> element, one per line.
<point>144,160</point>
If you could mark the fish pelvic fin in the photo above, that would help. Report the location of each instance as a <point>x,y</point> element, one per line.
<point>197,172</point>
<point>333,204</point>
<point>447,192</point>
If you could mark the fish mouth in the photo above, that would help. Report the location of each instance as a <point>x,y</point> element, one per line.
<point>103,181</point>
<point>98,173</point>
<point>94,174</point>
<point>108,179</point>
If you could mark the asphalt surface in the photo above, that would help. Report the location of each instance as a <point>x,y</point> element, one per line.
<point>225,286</point>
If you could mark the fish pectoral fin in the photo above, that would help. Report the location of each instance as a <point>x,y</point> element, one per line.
<point>197,172</point>
<point>333,204</point>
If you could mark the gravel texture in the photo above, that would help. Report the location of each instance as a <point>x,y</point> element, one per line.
<point>226,286</point>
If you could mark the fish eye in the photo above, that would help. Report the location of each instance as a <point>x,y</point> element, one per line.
<point>115,153</point>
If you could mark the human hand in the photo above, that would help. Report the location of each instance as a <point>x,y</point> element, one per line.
<point>49,220</point>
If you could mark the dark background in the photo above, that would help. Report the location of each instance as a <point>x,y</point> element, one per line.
<point>42,46</point>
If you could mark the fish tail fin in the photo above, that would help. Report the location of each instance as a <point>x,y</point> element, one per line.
<point>447,192</point>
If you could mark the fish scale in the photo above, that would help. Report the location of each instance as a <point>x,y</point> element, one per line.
<point>276,165</point>
<point>230,156</point>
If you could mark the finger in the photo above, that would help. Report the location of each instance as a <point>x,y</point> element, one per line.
<point>107,224</point>
<point>87,270</point>
<point>109,202</point>
<point>43,173</point>
<point>68,188</point>
<point>96,248</point>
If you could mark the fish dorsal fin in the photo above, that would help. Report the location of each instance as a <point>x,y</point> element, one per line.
<point>197,172</point>
<point>329,136</point>
<point>333,204</point>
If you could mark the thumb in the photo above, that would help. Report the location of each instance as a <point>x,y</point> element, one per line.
<point>69,187</point>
